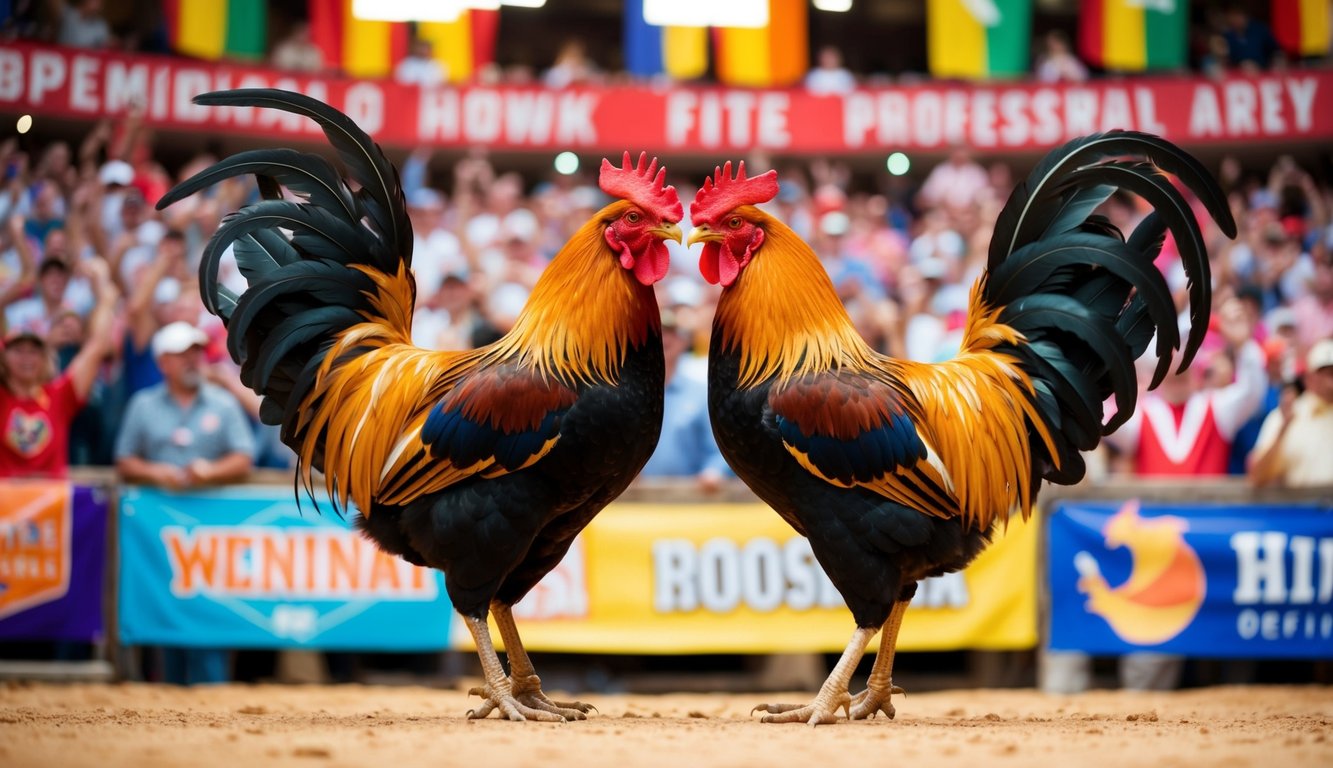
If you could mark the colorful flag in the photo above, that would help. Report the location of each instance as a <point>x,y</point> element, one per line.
<point>1134,35</point>
<point>978,39</point>
<point>776,55</point>
<point>211,30</point>
<point>1302,26</point>
<point>680,52</point>
<point>371,49</point>
<point>463,47</point>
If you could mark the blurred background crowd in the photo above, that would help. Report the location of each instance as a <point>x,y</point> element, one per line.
<point>81,231</point>
<point>903,259</point>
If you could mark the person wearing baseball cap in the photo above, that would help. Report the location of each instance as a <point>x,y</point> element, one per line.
<point>37,406</point>
<point>1293,445</point>
<point>183,433</point>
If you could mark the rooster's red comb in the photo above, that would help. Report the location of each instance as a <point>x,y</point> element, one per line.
<point>722,192</point>
<point>643,184</point>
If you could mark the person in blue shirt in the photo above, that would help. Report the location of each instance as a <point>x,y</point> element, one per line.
<point>180,434</point>
<point>1250,42</point>
<point>687,447</point>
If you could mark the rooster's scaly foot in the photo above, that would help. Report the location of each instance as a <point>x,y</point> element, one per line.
<point>870,702</point>
<point>818,712</point>
<point>510,707</point>
<point>528,690</point>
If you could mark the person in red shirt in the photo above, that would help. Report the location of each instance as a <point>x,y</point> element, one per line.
<point>37,406</point>
<point>1185,427</point>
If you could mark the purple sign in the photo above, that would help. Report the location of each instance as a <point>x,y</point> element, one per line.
<point>52,561</point>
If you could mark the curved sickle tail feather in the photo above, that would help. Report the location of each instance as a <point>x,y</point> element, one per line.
<point>1086,300</point>
<point>328,273</point>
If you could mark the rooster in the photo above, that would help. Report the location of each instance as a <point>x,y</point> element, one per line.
<point>485,463</point>
<point>895,470</point>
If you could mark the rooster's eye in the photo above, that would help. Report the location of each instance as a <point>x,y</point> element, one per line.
<point>734,222</point>
<point>633,217</point>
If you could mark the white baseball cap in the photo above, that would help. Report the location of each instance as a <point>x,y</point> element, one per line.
<point>177,337</point>
<point>1320,355</point>
<point>116,172</point>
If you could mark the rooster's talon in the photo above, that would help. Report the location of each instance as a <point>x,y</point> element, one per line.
<point>817,713</point>
<point>776,709</point>
<point>868,703</point>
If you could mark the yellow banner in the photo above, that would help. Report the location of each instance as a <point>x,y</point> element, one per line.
<point>202,29</point>
<point>734,578</point>
<point>451,42</point>
<point>956,40</point>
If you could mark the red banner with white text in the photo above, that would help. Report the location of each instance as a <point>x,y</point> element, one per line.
<point>1290,106</point>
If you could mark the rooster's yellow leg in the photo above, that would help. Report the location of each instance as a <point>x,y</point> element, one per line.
<point>498,692</point>
<point>526,686</point>
<point>832,694</point>
<point>880,688</point>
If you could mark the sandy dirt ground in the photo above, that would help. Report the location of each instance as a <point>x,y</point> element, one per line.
<point>148,725</point>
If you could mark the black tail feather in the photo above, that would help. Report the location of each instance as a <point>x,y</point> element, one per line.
<point>309,175</point>
<point>1088,300</point>
<point>381,193</point>
<point>325,236</point>
<point>305,259</point>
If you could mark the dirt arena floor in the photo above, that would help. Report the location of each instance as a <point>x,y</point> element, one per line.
<point>148,725</point>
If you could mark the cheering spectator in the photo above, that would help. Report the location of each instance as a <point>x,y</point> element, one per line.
<point>420,67</point>
<point>830,76</point>
<point>18,282</point>
<point>36,313</point>
<point>82,25</point>
<point>572,66</point>
<point>297,52</point>
<point>48,208</point>
<point>179,434</point>
<point>957,183</point>
<point>1250,42</point>
<point>1293,445</point>
<point>687,447</point>
<point>37,406</point>
<point>1185,427</point>
<point>185,431</point>
<point>1058,64</point>
<point>1313,312</point>
<point>156,298</point>
<point>1279,365</point>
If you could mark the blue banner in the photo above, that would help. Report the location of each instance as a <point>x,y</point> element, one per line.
<point>1221,581</point>
<point>52,559</point>
<point>244,567</point>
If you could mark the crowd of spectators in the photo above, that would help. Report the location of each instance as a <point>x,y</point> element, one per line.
<point>89,270</point>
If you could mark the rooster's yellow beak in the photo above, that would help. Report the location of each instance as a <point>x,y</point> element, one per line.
<point>668,231</point>
<point>702,233</point>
